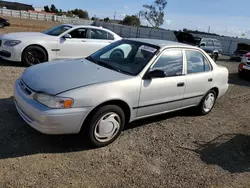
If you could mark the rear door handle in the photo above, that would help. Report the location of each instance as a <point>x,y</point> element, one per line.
<point>83,40</point>
<point>181,84</point>
<point>210,79</point>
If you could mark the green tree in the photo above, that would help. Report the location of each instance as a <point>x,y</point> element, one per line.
<point>46,8</point>
<point>154,13</point>
<point>131,20</point>
<point>69,14</point>
<point>106,19</point>
<point>53,9</point>
<point>81,13</point>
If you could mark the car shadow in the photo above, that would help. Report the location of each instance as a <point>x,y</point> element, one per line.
<point>18,139</point>
<point>10,63</point>
<point>235,80</point>
<point>229,151</point>
<point>190,112</point>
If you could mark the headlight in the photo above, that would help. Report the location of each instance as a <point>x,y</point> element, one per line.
<point>53,101</point>
<point>12,42</point>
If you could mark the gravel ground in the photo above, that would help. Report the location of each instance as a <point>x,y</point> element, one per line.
<point>174,150</point>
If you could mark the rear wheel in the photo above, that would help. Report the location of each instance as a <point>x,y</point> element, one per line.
<point>207,103</point>
<point>104,126</point>
<point>215,57</point>
<point>33,55</point>
<point>1,25</point>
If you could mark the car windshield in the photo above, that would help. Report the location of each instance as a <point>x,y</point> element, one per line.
<point>125,56</point>
<point>58,30</point>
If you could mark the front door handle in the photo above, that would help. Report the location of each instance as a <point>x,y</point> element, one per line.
<point>210,79</point>
<point>83,40</point>
<point>181,84</point>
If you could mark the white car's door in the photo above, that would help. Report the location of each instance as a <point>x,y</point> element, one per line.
<point>84,42</point>
<point>75,47</point>
<point>199,77</point>
<point>163,94</point>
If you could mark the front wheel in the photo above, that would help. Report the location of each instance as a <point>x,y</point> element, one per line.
<point>105,125</point>
<point>33,55</point>
<point>207,103</point>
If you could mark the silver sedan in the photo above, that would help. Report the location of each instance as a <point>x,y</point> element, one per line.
<point>125,81</point>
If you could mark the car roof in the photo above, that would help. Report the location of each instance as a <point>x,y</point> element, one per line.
<point>159,42</point>
<point>90,26</point>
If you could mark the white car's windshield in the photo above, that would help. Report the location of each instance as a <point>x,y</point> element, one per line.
<point>125,56</point>
<point>58,30</point>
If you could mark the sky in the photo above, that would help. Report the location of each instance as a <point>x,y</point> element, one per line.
<point>225,17</point>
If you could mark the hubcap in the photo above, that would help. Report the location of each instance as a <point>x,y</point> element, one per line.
<point>35,57</point>
<point>209,102</point>
<point>107,127</point>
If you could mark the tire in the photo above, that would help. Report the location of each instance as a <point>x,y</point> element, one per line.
<point>92,129</point>
<point>215,57</point>
<point>117,54</point>
<point>1,25</point>
<point>202,110</point>
<point>240,75</point>
<point>33,55</point>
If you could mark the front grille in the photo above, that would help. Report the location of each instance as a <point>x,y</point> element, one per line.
<point>24,88</point>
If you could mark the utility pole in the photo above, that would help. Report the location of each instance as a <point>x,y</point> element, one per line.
<point>208,29</point>
<point>114,15</point>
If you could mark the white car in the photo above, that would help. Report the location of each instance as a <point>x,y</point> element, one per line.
<point>60,42</point>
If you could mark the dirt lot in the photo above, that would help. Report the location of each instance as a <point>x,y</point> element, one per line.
<point>174,150</point>
<point>18,25</point>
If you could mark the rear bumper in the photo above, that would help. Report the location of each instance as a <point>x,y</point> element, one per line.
<point>245,71</point>
<point>223,90</point>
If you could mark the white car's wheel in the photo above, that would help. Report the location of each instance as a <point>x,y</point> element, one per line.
<point>33,55</point>
<point>207,103</point>
<point>105,125</point>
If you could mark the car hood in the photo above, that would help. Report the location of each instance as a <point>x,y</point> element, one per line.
<point>23,35</point>
<point>58,76</point>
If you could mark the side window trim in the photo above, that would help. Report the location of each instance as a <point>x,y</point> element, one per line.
<point>169,49</point>
<point>185,62</point>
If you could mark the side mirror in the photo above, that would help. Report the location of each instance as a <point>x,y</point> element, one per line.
<point>202,44</point>
<point>155,74</point>
<point>67,36</point>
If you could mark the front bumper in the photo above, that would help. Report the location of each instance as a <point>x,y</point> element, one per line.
<point>47,120</point>
<point>11,53</point>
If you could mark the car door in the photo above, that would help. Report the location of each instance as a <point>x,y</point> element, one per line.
<point>160,95</point>
<point>199,77</point>
<point>99,38</point>
<point>75,47</point>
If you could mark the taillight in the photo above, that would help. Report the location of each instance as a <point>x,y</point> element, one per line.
<point>240,66</point>
<point>247,55</point>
